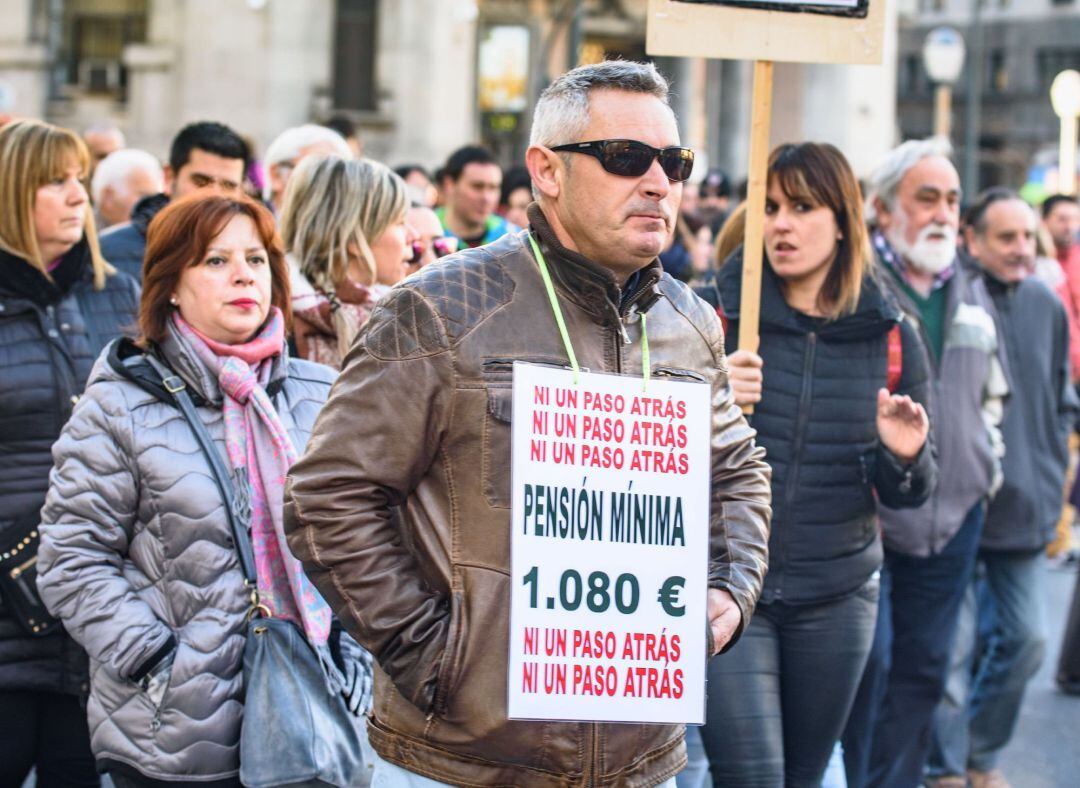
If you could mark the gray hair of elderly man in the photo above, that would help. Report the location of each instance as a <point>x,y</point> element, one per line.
<point>562,112</point>
<point>287,146</point>
<point>885,182</point>
<point>115,169</point>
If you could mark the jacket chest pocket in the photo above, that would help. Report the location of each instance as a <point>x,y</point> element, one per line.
<point>495,461</point>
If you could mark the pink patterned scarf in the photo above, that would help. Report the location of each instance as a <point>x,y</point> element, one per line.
<point>260,449</point>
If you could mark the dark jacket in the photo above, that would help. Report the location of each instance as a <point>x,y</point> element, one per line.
<point>125,244</point>
<point>50,334</point>
<point>970,385</point>
<point>429,594</point>
<point>1034,329</point>
<point>817,420</point>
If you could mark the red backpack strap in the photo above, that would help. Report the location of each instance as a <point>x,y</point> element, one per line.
<point>895,360</point>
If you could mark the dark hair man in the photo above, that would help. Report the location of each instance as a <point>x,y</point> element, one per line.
<point>405,525</point>
<point>986,685</point>
<point>204,155</point>
<point>914,199</point>
<point>471,182</point>
<point>1061,217</point>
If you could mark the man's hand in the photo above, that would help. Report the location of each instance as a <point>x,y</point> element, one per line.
<point>902,425</point>
<point>744,373</point>
<point>724,618</point>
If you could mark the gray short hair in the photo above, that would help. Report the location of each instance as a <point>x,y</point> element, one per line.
<point>562,113</point>
<point>115,169</point>
<point>288,144</point>
<point>331,202</point>
<point>885,182</point>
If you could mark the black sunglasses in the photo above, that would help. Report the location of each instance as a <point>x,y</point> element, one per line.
<point>632,158</point>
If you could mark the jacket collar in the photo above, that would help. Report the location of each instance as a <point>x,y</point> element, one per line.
<point>589,285</point>
<point>20,280</point>
<point>180,357</point>
<point>145,210</point>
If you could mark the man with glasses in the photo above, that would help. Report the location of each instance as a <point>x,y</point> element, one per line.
<point>203,155</point>
<point>404,525</point>
<point>290,148</point>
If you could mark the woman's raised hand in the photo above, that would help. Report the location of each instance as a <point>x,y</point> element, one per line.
<point>745,376</point>
<point>902,425</point>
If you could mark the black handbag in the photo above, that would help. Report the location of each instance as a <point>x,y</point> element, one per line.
<point>18,577</point>
<point>297,730</point>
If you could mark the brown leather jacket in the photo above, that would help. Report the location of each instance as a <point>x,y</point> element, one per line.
<point>400,509</point>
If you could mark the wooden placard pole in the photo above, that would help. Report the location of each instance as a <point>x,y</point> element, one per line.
<point>756,185</point>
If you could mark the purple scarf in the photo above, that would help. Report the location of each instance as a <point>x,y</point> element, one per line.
<point>261,452</point>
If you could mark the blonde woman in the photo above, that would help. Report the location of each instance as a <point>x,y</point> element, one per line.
<point>60,303</point>
<point>344,228</point>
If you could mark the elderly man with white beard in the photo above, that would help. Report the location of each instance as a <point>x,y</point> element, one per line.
<point>914,204</point>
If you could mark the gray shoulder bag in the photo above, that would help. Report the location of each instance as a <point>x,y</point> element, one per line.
<point>297,730</point>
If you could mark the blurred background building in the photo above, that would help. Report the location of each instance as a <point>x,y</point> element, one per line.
<point>421,77</point>
<point>1015,48</point>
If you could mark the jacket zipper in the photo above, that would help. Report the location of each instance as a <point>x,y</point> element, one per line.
<point>63,368</point>
<point>801,418</point>
<point>592,766</point>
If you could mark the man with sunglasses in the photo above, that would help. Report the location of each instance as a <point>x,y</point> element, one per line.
<point>404,525</point>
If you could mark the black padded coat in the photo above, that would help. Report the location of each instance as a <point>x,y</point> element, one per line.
<point>817,422</point>
<point>50,335</point>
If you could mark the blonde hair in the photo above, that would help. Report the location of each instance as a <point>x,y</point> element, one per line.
<point>32,154</point>
<point>731,235</point>
<point>331,202</point>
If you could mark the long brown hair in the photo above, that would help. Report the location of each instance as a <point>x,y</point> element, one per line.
<point>819,174</point>
<point>179,236</point>
<point>32,154</point>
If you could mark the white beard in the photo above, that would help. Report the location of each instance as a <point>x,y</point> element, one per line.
<point>926,255</point>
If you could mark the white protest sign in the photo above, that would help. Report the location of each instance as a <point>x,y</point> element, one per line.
<point>610,546</point>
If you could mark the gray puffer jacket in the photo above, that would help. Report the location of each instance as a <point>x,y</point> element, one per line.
<point>136,552</point>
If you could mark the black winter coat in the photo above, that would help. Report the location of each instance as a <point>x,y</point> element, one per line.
<point>817,420</point>
<point>50,335</point>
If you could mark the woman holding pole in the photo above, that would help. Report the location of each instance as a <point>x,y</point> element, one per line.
<point>838,386</point>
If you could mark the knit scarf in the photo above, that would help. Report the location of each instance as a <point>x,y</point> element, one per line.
<point>261,453</point>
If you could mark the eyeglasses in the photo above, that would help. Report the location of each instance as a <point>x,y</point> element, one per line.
<point>631,158</point>
<point>443,245</point>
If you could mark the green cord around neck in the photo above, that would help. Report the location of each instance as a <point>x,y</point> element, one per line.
<point>561,323</point>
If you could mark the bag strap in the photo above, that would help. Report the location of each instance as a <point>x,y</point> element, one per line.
<point>236,508</point>
<point>895,360</point>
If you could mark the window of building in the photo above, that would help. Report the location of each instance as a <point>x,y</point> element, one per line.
<point>1051,62</point>
<point>94,35</point>
<point>939,5</point>
<point>354,55</point>
<point>1061,2</point>
<point>911,75</point>
<point>997,74</point>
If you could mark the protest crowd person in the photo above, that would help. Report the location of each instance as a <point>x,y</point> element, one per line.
<point>914,202</point>
<point>121,180</point>
<point>203,155</point>
<point>406,530</point>
<point>344,228</point>
<point>291,147</point>
<point>431,242</point>
<point>976,718</point>
<point>133,505</point>
<point>471,181</point>
<point>60,302</point>
<point>102,140</point>
<point>838,387</point>
<point>1061,218</point>
<point>422,189</point>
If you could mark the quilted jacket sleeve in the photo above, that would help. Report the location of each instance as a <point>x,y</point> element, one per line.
<point>342,494</point>
<point>87,525</point>
<point>741,493</point>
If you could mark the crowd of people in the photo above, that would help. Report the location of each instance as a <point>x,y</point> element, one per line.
<point>237,389</point>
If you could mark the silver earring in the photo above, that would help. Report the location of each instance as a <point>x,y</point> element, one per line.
<point>174,302</point>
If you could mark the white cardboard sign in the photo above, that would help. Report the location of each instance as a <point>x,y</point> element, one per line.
<point>609,549</point>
